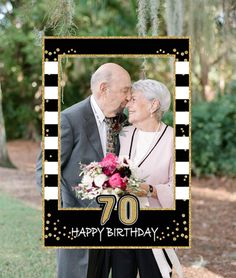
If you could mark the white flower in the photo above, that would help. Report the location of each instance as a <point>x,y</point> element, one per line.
<point>106,191</point>
<point>87,180</point>
<point>117,190</point>
<point>100,179</point>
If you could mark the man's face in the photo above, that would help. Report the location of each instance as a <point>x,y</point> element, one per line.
<point>118,93</point>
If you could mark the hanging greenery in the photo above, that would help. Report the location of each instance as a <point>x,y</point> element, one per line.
<point>142,17</point>
<point>154,6</point>
<point>61,16</point>
<point>174,17</point>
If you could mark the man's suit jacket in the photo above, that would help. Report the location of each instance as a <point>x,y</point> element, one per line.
<point>80,142</point>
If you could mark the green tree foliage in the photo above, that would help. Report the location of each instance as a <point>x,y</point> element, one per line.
<point>211,24</point>
<point>20,72</point>
<point>22,23</point>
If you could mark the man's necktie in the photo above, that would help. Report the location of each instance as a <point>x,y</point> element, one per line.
<point>110,135</point>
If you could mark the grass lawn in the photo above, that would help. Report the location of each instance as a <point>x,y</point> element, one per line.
<point>21,251</point>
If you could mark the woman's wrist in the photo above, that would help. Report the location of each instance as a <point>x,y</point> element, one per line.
<point>151,191</point>
<point>148,190</point>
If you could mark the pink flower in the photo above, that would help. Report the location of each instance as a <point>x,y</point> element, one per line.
<point>109,164</point>
<point>117,181</point>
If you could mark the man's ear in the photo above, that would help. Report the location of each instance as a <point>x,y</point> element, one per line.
<point>155,105</point>
<point>103,88</point>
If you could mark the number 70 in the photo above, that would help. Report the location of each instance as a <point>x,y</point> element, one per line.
<point>127,206</point>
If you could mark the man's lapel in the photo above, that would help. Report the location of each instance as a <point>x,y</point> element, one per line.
<point>91,129</point>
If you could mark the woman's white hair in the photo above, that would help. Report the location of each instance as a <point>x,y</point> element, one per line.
<point>153,89</point>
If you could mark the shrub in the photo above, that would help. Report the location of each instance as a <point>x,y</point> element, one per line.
<point>214,137</point>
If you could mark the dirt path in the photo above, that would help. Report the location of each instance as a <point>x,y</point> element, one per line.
<point>20,182</point>
<point>213,252</point>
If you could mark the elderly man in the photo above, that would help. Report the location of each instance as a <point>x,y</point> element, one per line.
<point>84,136</point>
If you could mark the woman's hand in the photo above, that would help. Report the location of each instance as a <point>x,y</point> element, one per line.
<point>143,192</point>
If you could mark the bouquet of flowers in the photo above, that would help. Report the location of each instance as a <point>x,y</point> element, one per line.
<point>113,175</point>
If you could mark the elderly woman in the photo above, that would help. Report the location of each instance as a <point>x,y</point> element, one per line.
<point>149,144</point>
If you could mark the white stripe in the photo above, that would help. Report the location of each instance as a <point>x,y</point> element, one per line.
<point>182,143</point>
<point>182,193</point>
<point>181,168</point>
<point>51,118</point>
<point>51,143</point>
<point>51,68</point>
<point>182,118</point>
<point>51,92</point>
<point>182,68</point>
<point>162,262</point>
<point>182,92</point>
<point>50,193</point>
<point>175,262</point>
<point>50,168</point>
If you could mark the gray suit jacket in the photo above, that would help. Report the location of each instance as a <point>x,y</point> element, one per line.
<point>80,142</point>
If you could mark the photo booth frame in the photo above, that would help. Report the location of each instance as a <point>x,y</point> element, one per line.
<point>82,228</point>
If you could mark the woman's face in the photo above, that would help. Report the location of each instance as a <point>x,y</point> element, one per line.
<point>139,108</point>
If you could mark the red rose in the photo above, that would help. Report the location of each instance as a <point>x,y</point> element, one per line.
<point>117,181</point>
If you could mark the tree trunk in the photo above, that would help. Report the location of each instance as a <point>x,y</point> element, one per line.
<point>204,74</point>
<point>4,159</point>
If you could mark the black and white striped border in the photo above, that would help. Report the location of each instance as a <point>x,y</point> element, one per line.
<point>182,141</point>
<point>51,142</point>
<point>182,121</point>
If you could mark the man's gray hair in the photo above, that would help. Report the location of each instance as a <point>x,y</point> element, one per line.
<point>153,89</point>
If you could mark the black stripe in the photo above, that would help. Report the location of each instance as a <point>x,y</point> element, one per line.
<point>181,130</point>
<point>51,130</point>
<point>51,180</point>
<point>167,258</point>
<point>51,80</point>
<point>182,180</point>
<point>51,105</point>
<point>131,145</point>
<point>51,155</point>
<point>117,46</point>
<point>182,105</point>
<point>182,80</point>
<point>182,155</point>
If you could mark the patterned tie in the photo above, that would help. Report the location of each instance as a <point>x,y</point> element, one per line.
<point>110,135</point>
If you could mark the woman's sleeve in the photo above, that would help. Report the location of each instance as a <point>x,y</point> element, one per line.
<point>165,191</point>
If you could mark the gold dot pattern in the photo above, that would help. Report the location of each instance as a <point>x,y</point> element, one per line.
<point>179,55</point>
<point>56,231</point>
<point>176,232</point>
<point>53,54</point>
